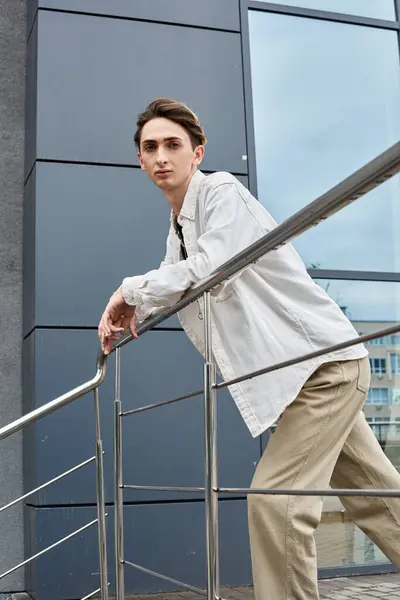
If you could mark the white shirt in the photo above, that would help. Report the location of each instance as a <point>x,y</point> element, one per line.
<point>270,312</point>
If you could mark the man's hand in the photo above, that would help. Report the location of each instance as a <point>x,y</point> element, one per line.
<point>117,318</point>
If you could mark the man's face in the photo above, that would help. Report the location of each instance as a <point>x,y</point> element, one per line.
<point>166,153</point>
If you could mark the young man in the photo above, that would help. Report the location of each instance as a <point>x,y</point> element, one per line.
<point>269,312</point>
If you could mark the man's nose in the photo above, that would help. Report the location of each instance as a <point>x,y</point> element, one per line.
<point>161,156</point>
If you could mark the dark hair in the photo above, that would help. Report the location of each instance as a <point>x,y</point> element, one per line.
<point>175,111</point>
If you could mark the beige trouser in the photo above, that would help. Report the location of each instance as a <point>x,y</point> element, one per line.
<point>322,439</point>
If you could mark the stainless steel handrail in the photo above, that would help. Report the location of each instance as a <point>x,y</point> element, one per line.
<point>192,588</point>
<point>359,183</point>
<point>58,543</point>
<point>374,173</point>
<point>384,423</point>
<point>311,355</point>
<point>346,192</point>
<point>308,492</point>
<point>287,363</point>
<point>59,402</point>
<point>385,166</point>
<point>34,416</point>
<point>93,594</point>
<point>48,483</point>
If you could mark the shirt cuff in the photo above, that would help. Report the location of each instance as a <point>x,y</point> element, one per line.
<point>131,290</point>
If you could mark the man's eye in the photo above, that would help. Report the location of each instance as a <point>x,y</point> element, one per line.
<point>174,145</point>
<point>149,147</point>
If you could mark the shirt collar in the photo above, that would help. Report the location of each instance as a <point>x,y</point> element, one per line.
<point>188,209</point>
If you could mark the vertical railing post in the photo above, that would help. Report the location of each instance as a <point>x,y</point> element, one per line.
<point>210,446</point>
<point>118,493</point>
<point>101,511</point>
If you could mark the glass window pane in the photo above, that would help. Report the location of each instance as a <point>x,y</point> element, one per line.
<point>326,100</point>
<point>395,363</point>
<point>371,306</point>
<point>378,396</point>
<point>378,366</point>
<point>378,9</point>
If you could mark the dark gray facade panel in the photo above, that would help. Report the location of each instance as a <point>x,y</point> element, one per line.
<point>167,538</point>
<point>216,14</point>
<point>244,180</point>
<point>264,438</point>
<point>161,447</point>
<point>95,74</point>
<point>94,226</point>
<point>246,67</point>
<point>28,404</point>
<point>29,236</point>
<point>31,100</point>
<point>70,570</point>
<point>32,6</point>
<point>52,366</point>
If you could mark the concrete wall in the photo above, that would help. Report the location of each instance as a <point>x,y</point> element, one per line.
<point>93,65</point>
<point>12,94</point>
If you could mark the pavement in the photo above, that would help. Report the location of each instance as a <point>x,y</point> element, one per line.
<point>366,587</point>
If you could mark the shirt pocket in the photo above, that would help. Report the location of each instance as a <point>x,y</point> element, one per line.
<point>226,290</point>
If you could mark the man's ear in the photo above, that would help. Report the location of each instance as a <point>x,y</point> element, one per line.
<point>142,166</point>
<point>198,154</point>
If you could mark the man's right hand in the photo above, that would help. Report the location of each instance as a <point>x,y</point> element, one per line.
<point>116,319</point>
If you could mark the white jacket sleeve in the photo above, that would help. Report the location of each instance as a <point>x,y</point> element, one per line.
<point>146,310</point>
<point>229,227</point>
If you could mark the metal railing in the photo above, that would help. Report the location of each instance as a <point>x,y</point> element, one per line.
<point>100,521</point>
<point>362,181</point>
<point>387,432</point>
